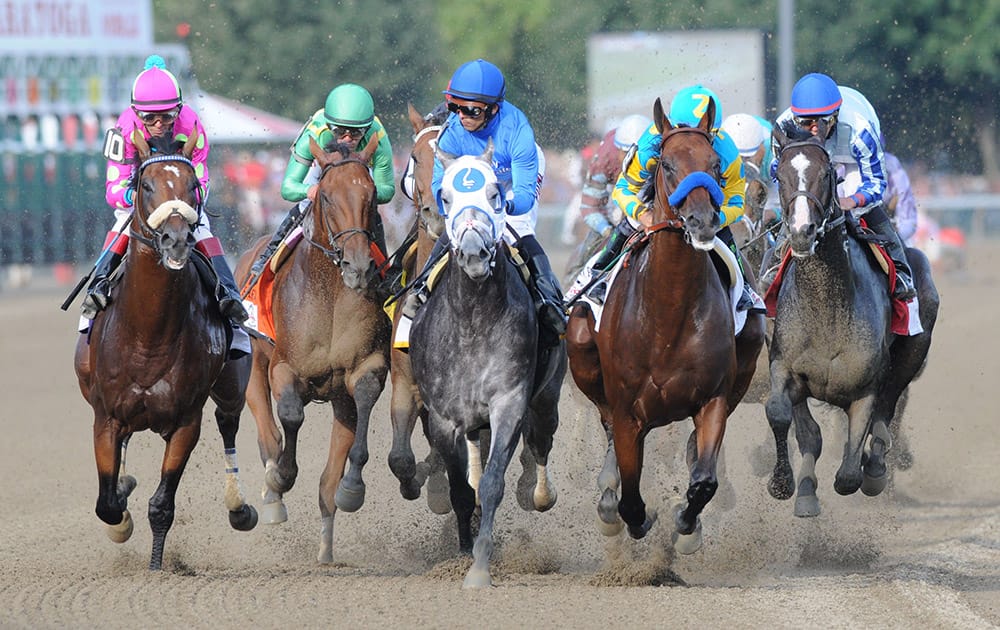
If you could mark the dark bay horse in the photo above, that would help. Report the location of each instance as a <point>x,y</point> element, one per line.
<point>406,405</point>
<point>158,352</point>
<point>666,349</point>
<point>832,338</point>
<point>476,361</point>
<point>331,341</point>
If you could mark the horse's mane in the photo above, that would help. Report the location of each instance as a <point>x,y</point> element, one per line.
<point>164,145</point>
<point>794,132</point>
<point>438,115</point>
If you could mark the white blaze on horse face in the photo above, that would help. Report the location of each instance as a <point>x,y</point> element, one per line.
<point>800,207</point>
<point>176,172</point>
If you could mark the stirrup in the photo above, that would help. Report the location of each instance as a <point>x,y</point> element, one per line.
<point>905,291</point>
<point>233,309</point>
<point>96,300</point>
<point>414,300</point>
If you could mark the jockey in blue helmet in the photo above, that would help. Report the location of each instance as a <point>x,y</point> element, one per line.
<point>851,133</point>
<point>479,112</point>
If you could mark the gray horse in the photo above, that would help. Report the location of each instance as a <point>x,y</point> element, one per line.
<point>832,334</point>
<point>476,361</point>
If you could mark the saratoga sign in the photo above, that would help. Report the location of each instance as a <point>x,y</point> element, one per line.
<point>94,25</point>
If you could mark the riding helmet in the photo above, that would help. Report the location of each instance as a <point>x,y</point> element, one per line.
<point>630,129</point>
<point>478,81</point>
<point>746,131</point>
<point>690,105</point>
<point>155,89</point>
<point>815,94</point>
<point>349,105</point>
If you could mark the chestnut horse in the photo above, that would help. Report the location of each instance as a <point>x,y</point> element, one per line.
<point>331,341</point>
<point>152,359</point>
<point>406,404</point>
<point>666,348</point>
<point>832,332</point>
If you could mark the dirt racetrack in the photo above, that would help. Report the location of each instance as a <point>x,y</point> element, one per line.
<point>924,554</point>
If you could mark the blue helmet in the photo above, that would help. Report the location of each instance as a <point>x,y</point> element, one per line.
<point>479,81</point>
<point>690,105</point>
<point>815,95</point>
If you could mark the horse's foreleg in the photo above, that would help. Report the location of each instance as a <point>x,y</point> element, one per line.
<point>351,491</point>
<point>258,399</point>
<point>710,426</point>
<point>281,476</point>
<point>629,451</point>
<point>779,415</point>
<point>849,476</point>
<point>113,487</point>
<point>451,448</point>
<point>341,439</point>
<point>505,436</point>
<point>403,413</point>
<point>161,504</point>
<point>810,440</point>
<point>608,481</point>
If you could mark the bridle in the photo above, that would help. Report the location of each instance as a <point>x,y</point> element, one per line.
<point>336,251</point>
<point>675,221</point>
<point>833,216</point>
<point>418,199</point>
<point>148,233</point>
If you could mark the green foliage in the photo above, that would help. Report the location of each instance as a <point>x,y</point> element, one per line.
<point>930,67</point>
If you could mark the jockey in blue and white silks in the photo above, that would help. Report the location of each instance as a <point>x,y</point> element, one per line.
<point>853,140</point>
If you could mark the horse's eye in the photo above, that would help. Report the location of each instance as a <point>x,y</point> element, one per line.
<point>667,167</point>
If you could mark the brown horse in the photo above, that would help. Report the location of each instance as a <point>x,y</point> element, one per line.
<point>666,348</point>
<point>406,404</point>
<point>331,340</point>
<point>158,352</point>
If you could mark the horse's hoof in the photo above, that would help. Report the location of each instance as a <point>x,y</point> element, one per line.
<point>122,531</point>
<point>543,501</point>
<point>349,499</point>
<point>477,578</point>
<point>781,487</point>
<point>438,494</point>
<point>806,506</point>
<point>873,486</point>
<point>609,529</point>
<point>273,513</point>
<point>641,531</point>
<point>409,489</point>
<point>687,544</point>
<point>243,520</point>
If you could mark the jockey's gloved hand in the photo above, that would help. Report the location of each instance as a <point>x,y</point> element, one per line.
<point>598,223</point>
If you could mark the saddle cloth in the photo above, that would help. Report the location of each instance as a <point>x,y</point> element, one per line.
<point>905,317</point>
<point>720,251</point>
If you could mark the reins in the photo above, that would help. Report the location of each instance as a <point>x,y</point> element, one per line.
<point>336,253</point>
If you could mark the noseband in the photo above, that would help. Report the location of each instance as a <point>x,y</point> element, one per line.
<point>148,233</point>
<point>336,252</point>
<point>831,212</point>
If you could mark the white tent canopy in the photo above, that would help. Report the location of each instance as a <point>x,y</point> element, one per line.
<point>230,122</point>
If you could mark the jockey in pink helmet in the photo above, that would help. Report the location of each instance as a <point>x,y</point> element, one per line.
<point>157,110</point>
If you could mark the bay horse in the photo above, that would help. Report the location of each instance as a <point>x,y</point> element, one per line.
<point>666,348</point>
<point>155,355</point>
<point>476,360</point>
<point>331,341</point>
<point>832,332</point>
<point>406,406</point>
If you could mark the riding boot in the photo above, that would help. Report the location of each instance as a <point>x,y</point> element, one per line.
<point>619,236</point>
<point>99,292</point>
<point>904,290</point>
<point>418,292</point>
<point>547,293</point>
<point>289,222</point>
<point>230,302</point>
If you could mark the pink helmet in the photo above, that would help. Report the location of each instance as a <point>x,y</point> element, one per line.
<point>155,89</point>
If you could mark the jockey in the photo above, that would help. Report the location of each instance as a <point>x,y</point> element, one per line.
<point>156,110</point>
<point>640,165</point>
<point>475,96</point>
<point>752,136</point>
<point>348,117</point>
<point>603,171</point>
<point>852,139</point>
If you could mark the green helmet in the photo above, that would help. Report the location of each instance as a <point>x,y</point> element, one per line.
<point>349,105</point>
